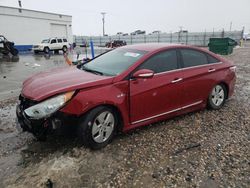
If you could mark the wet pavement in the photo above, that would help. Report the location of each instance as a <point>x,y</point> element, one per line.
<point>14,70</point>
<point>202,149</point>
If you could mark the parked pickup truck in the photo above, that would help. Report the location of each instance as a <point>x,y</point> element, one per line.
<point>51,44</point>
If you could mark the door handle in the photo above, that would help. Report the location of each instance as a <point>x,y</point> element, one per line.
<point>211,70</point>
<point>176,80</point>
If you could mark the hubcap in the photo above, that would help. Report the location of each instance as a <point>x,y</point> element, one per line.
<point>218,95</point>
<point>103,126</point>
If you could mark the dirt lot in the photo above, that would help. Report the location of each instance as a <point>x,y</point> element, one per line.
<point>202,149</point>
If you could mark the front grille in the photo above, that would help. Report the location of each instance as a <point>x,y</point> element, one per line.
<point>35,46</point>
<point>26,103</point>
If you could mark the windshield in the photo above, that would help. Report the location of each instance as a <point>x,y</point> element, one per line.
<point>45,41</point>
<point>114,62</point>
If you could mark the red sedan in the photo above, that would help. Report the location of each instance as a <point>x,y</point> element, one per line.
<point>123,89</point>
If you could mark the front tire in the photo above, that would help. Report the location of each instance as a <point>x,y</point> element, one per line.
<point>217,97</point>
<point>97,128</point>
<point>46,50</point>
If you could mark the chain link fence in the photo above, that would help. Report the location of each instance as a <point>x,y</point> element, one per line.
<point>195,38</point>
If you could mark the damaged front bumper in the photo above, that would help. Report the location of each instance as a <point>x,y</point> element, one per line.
<point>59,122</point>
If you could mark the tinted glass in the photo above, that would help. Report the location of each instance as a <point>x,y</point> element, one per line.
<point>53,41</point>
<point>161,62</point>
<point>64,40</point>
<point>212,59</point>
<point>193,58</point>
<point>45,41</point>
<point>115,61</point>
<point>59,40</point>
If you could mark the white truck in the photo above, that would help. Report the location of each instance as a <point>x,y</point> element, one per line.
<point>51,44</point>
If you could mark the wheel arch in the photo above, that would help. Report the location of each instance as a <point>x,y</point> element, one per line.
<point>115,109</point>
<point>46,47</point>
<point>226,87</point>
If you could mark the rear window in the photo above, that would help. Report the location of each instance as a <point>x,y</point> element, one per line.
<point>193,58</point>
<point>212,59</point>
<point>65,40</point>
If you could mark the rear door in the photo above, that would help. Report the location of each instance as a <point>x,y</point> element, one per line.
<point>199,75</point>
<point>59,43</point>
<point>160,94</point>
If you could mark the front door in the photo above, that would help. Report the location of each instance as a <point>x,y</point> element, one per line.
<point>53,44</point>
<point>159,95</point>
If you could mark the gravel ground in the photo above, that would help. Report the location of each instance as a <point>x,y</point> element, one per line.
<point>201,149</point>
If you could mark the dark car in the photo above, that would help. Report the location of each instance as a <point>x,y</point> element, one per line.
<point>125,88</point>
<point>7,47</point>
<point>115,43</point>
<point>138,32</point>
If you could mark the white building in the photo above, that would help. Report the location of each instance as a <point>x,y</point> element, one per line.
<point>28,27</point>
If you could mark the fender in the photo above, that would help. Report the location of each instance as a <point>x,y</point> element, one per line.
<point>88,99</point>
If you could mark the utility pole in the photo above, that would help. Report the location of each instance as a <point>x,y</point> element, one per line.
<point>231,25</point>
<point>103,21</point>
<point>20,5</point>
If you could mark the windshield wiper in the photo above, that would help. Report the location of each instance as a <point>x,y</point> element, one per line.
<point>91,70</point>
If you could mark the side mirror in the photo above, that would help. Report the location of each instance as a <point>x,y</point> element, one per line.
<point>143,73</point>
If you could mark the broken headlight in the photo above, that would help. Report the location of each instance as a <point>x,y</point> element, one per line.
<point>49,106</point>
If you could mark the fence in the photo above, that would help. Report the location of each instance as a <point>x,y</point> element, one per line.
<point>197,39</point>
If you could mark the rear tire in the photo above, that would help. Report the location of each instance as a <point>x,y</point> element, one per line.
<point>217,97</point>
<point>64,49</point>
<point>97,128</point>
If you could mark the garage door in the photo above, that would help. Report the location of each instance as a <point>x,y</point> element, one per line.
<point>58,30</point>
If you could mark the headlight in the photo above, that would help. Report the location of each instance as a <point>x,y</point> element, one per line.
<point>47,107</point>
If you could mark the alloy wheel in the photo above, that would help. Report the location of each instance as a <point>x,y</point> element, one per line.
<point>103,126</point>
<point>218,95</point>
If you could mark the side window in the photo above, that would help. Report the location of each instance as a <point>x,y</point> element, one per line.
<point>53,41</point>
<point>193,58</point>
<point>161,62</point>
<point>65,40</point>
<point>212,59</point>
<point>59,40</point>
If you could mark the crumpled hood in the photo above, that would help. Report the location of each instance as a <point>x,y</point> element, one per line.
<point>60,80</point>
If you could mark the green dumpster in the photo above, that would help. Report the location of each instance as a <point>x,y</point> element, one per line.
<point>223,46</point>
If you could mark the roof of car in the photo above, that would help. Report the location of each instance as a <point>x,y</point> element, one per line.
<point>152,46</point>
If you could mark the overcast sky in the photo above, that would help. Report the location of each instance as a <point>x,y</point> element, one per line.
<point>130,15</point>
